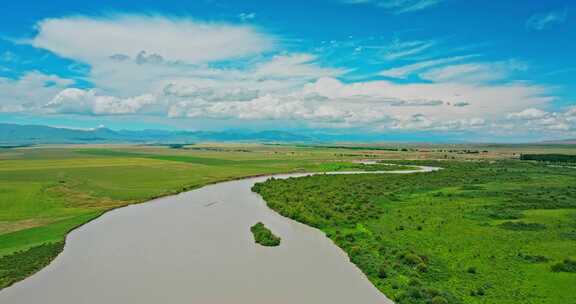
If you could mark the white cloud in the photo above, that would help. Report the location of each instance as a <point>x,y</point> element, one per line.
<point>327,102</point>
<point>373,104</point>
<point>536,120</point>
<point>294,66</point>
<point>421,122</point>
<point>147,53</point>
<point>543,21</point>
<point>91,39</point>
<point>212,94</point>
<point>406,70</point>
<point>528,114</point>
<point>405,49</point>
<point>246,16</point>
<point>80,101</point>
<point>398,6</point>
<point>168,77</point>
<point>484,100</point>
<point>30,91</point>
<point>476,72</point>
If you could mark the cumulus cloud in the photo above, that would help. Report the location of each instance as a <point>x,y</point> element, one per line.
<point>528,114</point>
<point>90,39</point>
<point>543,21</point>
<point>327,101</point>
<point>481,99</point>
<point>539,120</point>
<point>80,101</point>
<point>301,107</point>
<point>146,53</point>
<point>211,94</point>
<point>30,91</point>
<point>422,122</point>
<point>169,77</point>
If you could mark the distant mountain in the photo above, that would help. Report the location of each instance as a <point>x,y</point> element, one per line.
<point>13,134</point>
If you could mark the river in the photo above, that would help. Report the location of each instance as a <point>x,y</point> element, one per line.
<point>196,247</point>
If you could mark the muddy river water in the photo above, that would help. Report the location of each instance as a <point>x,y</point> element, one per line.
<point>196,247</point>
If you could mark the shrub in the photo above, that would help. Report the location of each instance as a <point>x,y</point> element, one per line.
<point>382,272</point>
<point>439,300</point>
<point>422,267</point>
<point>534,258</point>
<point>412,259</point>
<point>414,282</point>
<point>471,270</point>
<point>521,226</point>
<point>264,236</point>
<point>568,265</point>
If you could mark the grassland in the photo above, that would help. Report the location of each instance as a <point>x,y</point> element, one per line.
<point>475,232</point>
<point>47,191</point>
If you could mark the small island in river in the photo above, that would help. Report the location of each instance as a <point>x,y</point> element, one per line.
<point>263,235</point>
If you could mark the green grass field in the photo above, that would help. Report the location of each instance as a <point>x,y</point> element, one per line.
<point>475,232</point>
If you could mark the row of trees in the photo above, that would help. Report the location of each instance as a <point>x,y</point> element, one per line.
<point>553,158</point>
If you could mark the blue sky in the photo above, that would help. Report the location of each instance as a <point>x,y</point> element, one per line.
<point>447,69</point>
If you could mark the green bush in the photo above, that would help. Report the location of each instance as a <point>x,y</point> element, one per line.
<point>412,259</point>
<point>534,258</point>
<point>521,226</point>
<point>439,300</point>
<point>264,236</point>
<point>568,265</point>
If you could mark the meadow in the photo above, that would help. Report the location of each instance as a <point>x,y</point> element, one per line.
<point>474,207</point>
<point>475,232</point>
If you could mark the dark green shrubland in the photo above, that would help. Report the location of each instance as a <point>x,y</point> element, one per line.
<point>451,236</point>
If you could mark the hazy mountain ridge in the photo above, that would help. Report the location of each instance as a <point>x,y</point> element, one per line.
<point>16,134</point>
<point>38,134</point>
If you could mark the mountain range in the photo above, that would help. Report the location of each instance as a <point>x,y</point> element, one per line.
<point>14,134</point>
<point>17,135</point>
